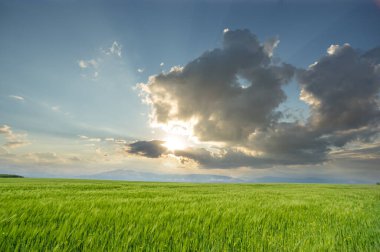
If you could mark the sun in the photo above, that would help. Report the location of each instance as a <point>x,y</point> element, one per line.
<point>174,143</point>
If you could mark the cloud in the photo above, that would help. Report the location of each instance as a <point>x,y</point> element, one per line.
<point>94,139</point>
<point>15,144</point>
<point>162,64</point>
<point>93,67</point>
<point>333,48</point>
<point>291,146</point>
<point>289,143</point>
<point>140,70</point>
<point>82,64</point>
<point>212,90</point>
<point>5,129</point>
<point>45,158</point>
<point>13,140</point>
<point>90,68</point>
<point>115,49</point>
<point>16,97</point>
<point>222,158</point>
<point>150,149</point>
<point>120,141</point>
<point>370,151</point>
<point>342,90</point>
<point>230,95</point>
<point>56,108</point>
<point>90,139</point>
<point>3,151</point>
<point>270,45</point>
<point>92,63</point>
<point>74,159</point>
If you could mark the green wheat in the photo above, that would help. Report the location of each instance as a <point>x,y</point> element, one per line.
<point>88,215</point>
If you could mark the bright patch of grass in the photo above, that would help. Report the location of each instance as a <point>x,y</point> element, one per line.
<point>80,215</point>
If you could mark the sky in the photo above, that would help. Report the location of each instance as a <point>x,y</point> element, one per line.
<point>253,90</point>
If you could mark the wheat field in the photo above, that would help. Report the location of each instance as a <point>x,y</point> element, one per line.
<point>89,215</point>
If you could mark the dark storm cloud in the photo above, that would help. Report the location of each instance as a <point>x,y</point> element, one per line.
<point>290,143</point>
<point>232,95</point>
<point>150,149</point>
<point>228,158</point>
<point>342,89</point>
<point>372,55</point>
<point>229,91</point>
<point>287,144</point>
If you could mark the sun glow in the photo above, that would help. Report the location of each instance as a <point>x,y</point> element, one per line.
<point>175,143</point>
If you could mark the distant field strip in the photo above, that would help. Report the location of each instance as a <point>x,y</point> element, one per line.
<point>88,215</point>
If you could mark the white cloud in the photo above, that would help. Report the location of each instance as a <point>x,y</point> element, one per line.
<point>331,50</point>
<point>89,139</point>
<point>115,49</point>
<point>17,97</point>
<point>56,108</point>
<point>140,70</point>
<point>120,141</point>
<point>82,64</point>
<point>94,139</point>
<point>90,67</point>
<point>335,48</point>
<point>270,45</point>
<point>88,63</point>
<point>162,64</point>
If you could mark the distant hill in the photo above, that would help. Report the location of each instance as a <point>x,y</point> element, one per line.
<point>10,176</point>
<point>131,175</point>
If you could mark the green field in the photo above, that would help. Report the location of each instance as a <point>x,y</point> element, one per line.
<point>80,215</point>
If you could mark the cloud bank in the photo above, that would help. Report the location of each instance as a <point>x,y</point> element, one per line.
<point>231,95</point>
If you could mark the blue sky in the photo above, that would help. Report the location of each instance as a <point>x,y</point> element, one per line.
<point>69,74</point>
